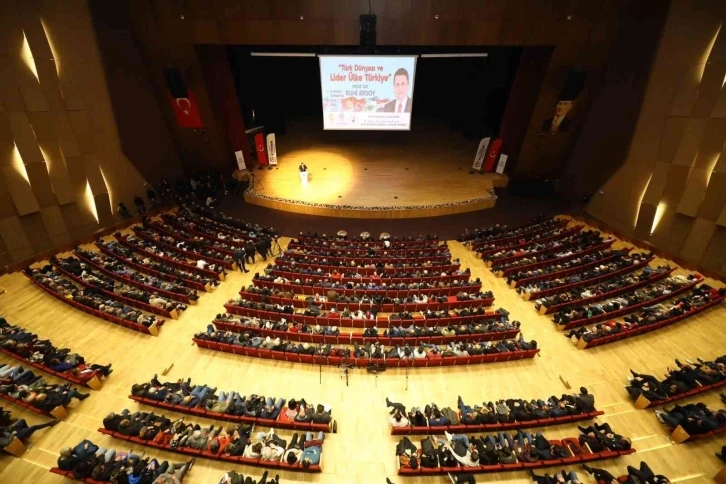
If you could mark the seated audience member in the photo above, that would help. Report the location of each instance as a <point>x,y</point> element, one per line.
<point>600,437</point>
<point>233,477</point>
<point>677,381</point>
<point>694,418</point>
<point>558,478</point>
<point>20,429</point>
<point>642,475</point>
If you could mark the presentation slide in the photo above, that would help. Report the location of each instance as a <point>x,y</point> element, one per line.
<point>367,92</point>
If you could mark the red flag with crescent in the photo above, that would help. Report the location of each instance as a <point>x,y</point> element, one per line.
<point>261,147</point>
<point>186,111</point>
<point>493,154</point>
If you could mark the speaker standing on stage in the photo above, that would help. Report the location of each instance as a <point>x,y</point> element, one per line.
<point>303,167</point>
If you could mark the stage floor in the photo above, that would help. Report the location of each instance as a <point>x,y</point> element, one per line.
<point>416,175</point>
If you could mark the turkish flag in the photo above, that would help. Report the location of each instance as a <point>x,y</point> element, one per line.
<point>186,111</point>
<point>492,155</point>
<point>261,148</point>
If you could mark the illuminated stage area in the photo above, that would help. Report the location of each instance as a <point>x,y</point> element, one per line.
<point>376,175</point>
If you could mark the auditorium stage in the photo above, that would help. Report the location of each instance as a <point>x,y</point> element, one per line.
<point>422,173</point>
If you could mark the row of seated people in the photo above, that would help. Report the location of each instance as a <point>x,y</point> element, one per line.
<point>231,405</point>
<point>551,259</point>
<point>164,252</point>
<point>366,268</point>
<point>640,475</point>
<point>25,388</point>
<point>638,298</point>
<point>61,362</point>
<point>559,268</point>
<point>410,275</point>
<point>86,461</point>
<point>217,441</point>
<point>374,350</point>
<point>181,249</point>
<point>234,477</point>
<point>509,411</point>
<point>372,252</point>
<point>502,325</point>
<point>696,419</point>
<point>650,316</point>
<point>620,264</point>
<point>509,247</point>
<point>171,289</point>
<point>352,288</point>
<point>620,282</point>
<point>12,428</point>
<point>183,238</point>
<point>533,252</point>
<point>677,382</point>
<point>494,232</point>
<point>388,263</point>
<point>460,451</point>
<point>214,218</point>
<point>98,279</point>
<point>90,297</point>
<point>181,276</point>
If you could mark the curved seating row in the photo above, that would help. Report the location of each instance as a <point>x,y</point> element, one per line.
<point>514,281</point>
<point>582,344</point>
<point>557,234</point>
<point>679,434</point>
<point>369,242</point>
<point>530,230</point>
<point>336,320</point>
<point>122,239</point>
<point>209,455</point>
<point>430,278</point>
<point>576,323</point>
<point>279,423</point>
<point>201,218</point>
<point>194,256</point>
<point>350,261</point>
<point>153,330</point>
<point>366,271</point>
<point>605,295</point>
<point>362,252</point>
<point>528,296</point>
<point>572,239</point>
<point>180,233</point>
<point>449,305</point>
<point>642,402</point>
<point>118,297</point>
<point>58,412</point>
<point>363,362</point>
<point>503,426</point>
<point>132,282</point>
<point>351,338</point>
<point>557,260</point>
<point>578,455</point>
<point>311,290</point>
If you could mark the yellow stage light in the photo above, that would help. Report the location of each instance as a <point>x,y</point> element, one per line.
<point>658,216</point>
<point>90,202</point>
<point>27,56</point>
<point>18,165</point>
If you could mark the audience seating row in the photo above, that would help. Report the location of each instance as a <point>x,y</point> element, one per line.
<point>504,426</point>
<point>533,295</point>
<point>364,252</point>
<point>161,275</point>
<point>607,256</point>
<point>351,261</point>
<point>131,282</point>
<point>336,320</point>
<point>193,256</point>
<point>509,236</point>
<point>364,271</point>
<point>279,423</point>
<point>363,362</point>
<point>351,338</point>
<point>642,402</point>
<point>311,290</point>
<point>557,260</point>
<point>579,456</point>
<point>181,234</point>
<point>118,297</point>
<point>451,304</point>
<point>153,330</point>
<point>58,412</point>
<point>572,239</point>
<point>605,295</point>
<point>576,323</point>
<point>430,278</point>
<point>123,240</point>
<point>283,466</point>
<point>549,236</point>
<point>582,344</point>
<point>679,435</point>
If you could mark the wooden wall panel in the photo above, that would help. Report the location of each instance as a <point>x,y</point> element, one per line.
<point>712,143</point>
<point>10,97</point>
<point>20,191</point>
<point>691,140</point>
<point>671,138</point>
<point>18,245</point>
<point>40,184</point>
<point>685,99</point>
<point>698,239</point>
<point>714,198</point>
<point>692,197</point>
<point>24,137</point>
<point>709,88</point>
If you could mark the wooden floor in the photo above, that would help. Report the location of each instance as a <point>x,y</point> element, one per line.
<point>363,450</point>
<point>353,176</point>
